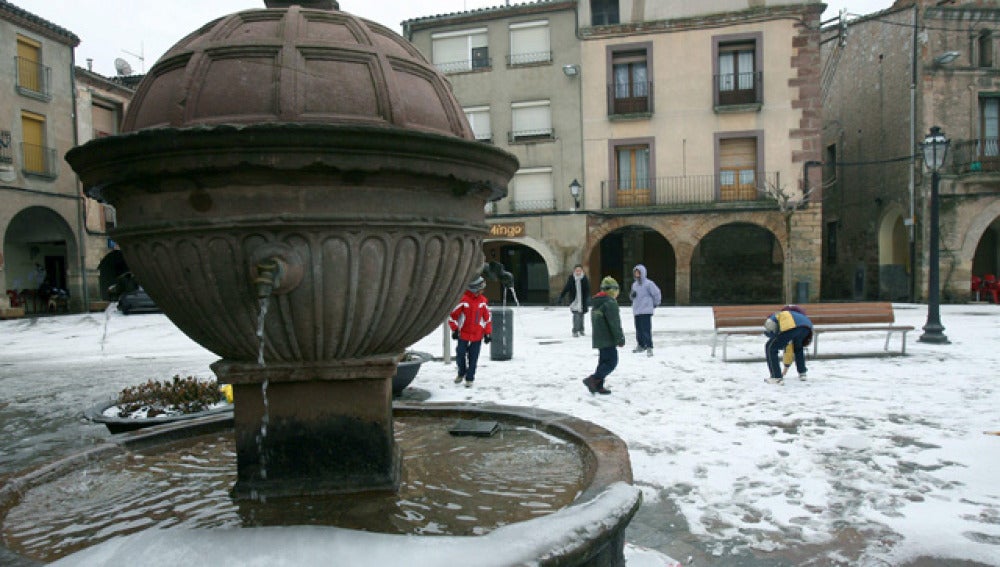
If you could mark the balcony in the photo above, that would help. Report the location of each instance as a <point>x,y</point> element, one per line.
<point>513,205</point>
<point>639,101</point>
<point>520,59</point>
<point>738,90</point>
<point>975,155</point>
<point>524,136</point>
<point>688,191</point>
<point>33,78</point>
<point>38,160</point>
<point>464,66</point>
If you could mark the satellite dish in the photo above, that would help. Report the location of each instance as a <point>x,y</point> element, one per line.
<point>122,67</point>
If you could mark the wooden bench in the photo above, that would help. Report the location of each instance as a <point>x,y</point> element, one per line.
<point>826,317</point>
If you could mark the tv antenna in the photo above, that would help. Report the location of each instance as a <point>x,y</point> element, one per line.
<point>140,56</point>
<point>122,67</point>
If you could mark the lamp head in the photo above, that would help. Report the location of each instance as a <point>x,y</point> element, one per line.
<point>574,188</point>
<point>571,70</point>
<point>935,148</point>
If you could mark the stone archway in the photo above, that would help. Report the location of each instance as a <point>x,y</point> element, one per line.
<point>531,268</point>
<point>39,251</point>
<point>894,264</point>
<point>620,250</point>
<point>737,262</point>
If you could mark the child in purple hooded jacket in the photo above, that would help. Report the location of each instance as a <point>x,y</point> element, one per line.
<point>645,297</point>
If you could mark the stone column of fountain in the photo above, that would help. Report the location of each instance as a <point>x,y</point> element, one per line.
<point>304,173</point>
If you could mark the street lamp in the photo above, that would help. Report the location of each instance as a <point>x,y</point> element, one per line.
<point>574,189</point>
<point>935,147</point>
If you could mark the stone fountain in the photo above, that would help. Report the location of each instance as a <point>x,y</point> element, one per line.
<point>300,192</point>
<point>305,170</point>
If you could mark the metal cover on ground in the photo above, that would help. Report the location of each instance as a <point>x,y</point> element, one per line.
<point>474,427</point>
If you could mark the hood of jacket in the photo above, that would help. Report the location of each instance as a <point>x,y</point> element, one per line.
<point>642,271</point>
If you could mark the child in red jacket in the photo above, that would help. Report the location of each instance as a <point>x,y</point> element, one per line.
<point>471,325</point>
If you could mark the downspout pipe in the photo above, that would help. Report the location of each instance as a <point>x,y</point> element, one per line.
<point>913,159</point>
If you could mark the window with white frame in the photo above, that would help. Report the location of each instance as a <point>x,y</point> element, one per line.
<point>531,121</point>
<point>479,120</point>
<point>531,190</point>
<point>529,43</point>
<point>454,52</point>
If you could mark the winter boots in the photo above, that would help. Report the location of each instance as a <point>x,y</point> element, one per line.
<point>595,385</point>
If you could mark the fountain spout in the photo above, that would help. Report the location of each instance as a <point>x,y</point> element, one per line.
<point>269,274</point>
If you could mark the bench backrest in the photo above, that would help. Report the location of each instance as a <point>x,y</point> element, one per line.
<point>820,313</point>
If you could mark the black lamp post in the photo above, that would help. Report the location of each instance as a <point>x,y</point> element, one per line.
<point>574,189</point>
<point>935,147</point>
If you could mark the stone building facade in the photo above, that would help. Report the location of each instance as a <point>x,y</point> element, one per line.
<point>51,235</point>
<point>888,77</point>
<point>679,127</point>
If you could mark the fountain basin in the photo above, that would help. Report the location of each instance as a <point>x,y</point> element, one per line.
<point>587,532</point>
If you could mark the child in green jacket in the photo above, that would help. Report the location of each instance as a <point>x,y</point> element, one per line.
<point>607,335</point>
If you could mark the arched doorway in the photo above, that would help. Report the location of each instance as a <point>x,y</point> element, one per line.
<point>737,263</point>
<point>531,275</point>
<point>893,258</point>
<point>38,247</point>
<point>619,251</point>
<point>112,265</point>
<point>987,257</point>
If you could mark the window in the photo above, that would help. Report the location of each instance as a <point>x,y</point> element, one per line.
<point>737,76</point>
<point>36,156</point>
<point>31,74</point>
<point>989,125</point>
<point>738,169</point>
<point>529,43</point>
<point>531,189</point>
<point>110,217</point>
<point>454,52</point>
<point>603,12</point>
<point>631,84</point>
<point>632,176</point>
<point>105,119</point>
<point>532,121</point>
<point>984,45</point>
<point>479,120</point>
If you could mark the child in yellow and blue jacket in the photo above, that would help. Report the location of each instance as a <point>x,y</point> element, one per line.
<point>788,330</point>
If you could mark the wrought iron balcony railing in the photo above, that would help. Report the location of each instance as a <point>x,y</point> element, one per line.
<point>725,187</point>
<point>38,160</point>
<point>531,135</point>
<point>32,77</point>
<point>738,88</point>
<point>966,156</point>
<point>515,59</point>
<point>466,65</point>
<point>636,98</point>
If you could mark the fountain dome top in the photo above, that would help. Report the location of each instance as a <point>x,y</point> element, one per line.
<point>301,61</point>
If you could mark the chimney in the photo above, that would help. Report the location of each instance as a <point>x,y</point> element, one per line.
<point>90,64</point>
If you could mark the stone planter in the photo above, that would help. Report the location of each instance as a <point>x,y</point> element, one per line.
<point>407,370</point>
<point>123,424</point>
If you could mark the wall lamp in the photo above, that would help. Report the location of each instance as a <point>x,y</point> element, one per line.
<point>946,57</point>
<point>574,189</point>
<point>571,70</point>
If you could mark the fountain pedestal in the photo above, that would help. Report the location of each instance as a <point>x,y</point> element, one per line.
<point>318,428</point>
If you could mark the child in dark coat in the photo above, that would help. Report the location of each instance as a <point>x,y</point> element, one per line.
<point>607,334</point>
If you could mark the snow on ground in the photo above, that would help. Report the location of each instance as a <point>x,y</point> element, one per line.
<point>872,461</point>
